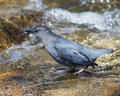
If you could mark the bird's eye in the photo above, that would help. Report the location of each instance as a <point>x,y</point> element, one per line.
<point>35,31</point>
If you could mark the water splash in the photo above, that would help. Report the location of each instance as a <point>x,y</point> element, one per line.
<point>39,4</point>
<point>108,21</point>
<point>93,18</point>
<point>17,52</point>
<point>113,21</point>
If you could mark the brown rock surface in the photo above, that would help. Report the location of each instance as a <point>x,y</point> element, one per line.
<point>12,25</point>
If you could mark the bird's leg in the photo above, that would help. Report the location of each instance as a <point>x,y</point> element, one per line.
<point>79,71</point>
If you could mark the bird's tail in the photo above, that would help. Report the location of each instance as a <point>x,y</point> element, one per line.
<point>99,52</point>
<point>106,51</point>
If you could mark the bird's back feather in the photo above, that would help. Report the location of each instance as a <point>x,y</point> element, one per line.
<point>77,54</point>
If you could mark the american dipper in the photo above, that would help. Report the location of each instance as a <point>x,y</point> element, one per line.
<point>68,52</point>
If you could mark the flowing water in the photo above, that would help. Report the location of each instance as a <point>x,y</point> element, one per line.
<point>26,69</point>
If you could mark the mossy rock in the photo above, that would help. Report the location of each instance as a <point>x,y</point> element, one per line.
<point>11,27</point>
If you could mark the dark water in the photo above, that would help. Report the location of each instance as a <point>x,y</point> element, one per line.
<point>28,70</point>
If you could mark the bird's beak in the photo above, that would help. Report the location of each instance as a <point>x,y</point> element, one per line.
<point>28,31</point>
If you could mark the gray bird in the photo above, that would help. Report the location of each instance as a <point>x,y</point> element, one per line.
<point>68,52</point>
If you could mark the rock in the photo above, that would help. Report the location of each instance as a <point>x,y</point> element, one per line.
<point>7,75</point>
<point>11,91</point>
<point>7,4</point>
<point>12,25</point>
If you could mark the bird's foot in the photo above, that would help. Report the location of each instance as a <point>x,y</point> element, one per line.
<point>78,72</point>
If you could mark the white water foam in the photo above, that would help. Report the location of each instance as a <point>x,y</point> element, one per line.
<point>108,21</point>
<point>61,15</point>
<point>16,52</point>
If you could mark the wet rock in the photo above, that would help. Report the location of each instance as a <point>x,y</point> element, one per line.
<point>5,4</point>
<point>12,25</point>
<point>11,91</point>
<point>91,87</point>
<point>7,75</point>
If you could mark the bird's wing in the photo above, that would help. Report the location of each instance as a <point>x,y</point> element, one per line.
<point>71,51</point>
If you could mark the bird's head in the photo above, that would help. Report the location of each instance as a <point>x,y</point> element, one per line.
<point>39,31</point>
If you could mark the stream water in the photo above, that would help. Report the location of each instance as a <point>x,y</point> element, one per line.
<point>26,69</point>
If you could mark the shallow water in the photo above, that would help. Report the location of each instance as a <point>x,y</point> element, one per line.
<point>28,70</point>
